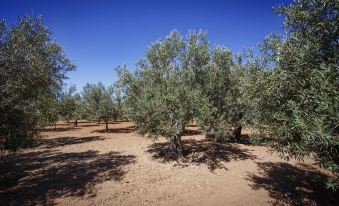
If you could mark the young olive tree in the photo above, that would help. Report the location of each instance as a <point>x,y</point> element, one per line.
<point>79,112</point>
<point>299,97</point>
<point>49,110</point>
<point>92,94</point>
<point>117,102</point>
<point>98,102</point>
<point>32,67</point>
<point>68,103</point>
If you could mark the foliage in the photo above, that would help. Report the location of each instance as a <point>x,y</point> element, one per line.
<point>117,102</point>
<point>98,102</point>
<point>32,68</point>
<point>157,96</point>
<point>49,110</point>
<point>69,101</point>
<point>223,86</point>
<point>298,100</point>
<point>181,80</point>
<point>289,94</point>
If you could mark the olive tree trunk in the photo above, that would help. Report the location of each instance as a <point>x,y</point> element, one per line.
<point>106,122</point>
<point>176,148</point>
<point>237,133</point>
<point>238,128</point>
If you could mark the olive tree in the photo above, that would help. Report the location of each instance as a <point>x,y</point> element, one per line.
<point>298,89</point>
<point>221,89</point>
<point>79,112</point>
<point>98,102</point>
<point>182,80</point>
<point>117,95</point>
<point>220,77</point>
<point>32,67</point>
<point>69,103</point>
<point>49,110</point>
<point>157,98</point>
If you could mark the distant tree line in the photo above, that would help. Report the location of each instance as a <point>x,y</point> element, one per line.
<point>95,102</point>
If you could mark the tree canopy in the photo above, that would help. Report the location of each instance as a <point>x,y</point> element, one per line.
<point>32,68</point>
<point>298,99</point>
<point>101,103</point>
<point>182,80</point>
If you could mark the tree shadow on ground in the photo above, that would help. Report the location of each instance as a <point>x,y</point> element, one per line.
<point>116,130</point>
<point>199,152</point>
<point>191,132</point>
<point>41,177</point>
<point>293,185</point>
<point>60,129</point>
<point>245,139</point>
<point>192,125</point>
<point>89,125</point>
<point>63,141</point>
<point>63,124</point>
<point>96,124</point>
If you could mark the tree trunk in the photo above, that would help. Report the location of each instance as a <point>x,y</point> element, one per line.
<point>176,148</point>
<point>211,131</point>
<point>106,121</point>
<point>238,128</point>
<point>76,123</point>
<point>99,120</point>
<point>55,124</point>
<point>237,133</point>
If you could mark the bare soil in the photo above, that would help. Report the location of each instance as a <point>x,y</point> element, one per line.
<point>85,166</point>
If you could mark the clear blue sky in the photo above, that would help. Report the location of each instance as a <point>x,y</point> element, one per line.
<point>98,34</point>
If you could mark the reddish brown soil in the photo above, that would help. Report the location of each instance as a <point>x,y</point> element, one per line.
<point>86,166</point>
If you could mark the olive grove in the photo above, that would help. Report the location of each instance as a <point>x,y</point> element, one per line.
<point>288,92</point>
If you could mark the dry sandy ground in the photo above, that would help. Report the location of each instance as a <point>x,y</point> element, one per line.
<point>86,166</point>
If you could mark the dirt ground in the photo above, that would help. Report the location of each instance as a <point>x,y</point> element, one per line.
<point>86,166</point>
